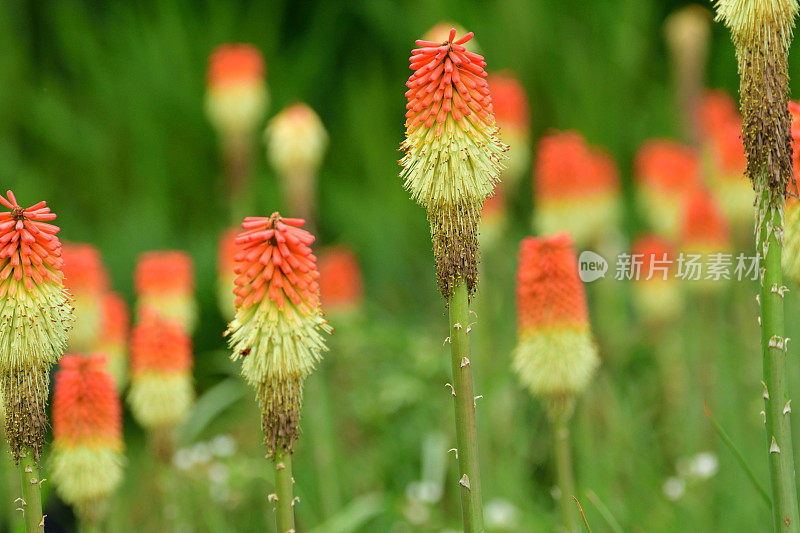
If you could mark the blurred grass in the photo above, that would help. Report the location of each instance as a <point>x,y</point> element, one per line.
<point>101,115</point>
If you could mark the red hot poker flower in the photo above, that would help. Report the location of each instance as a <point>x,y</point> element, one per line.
<point>30,245</point>
<point>340,285</point>
<point>86,408</point>
<point>235,63</point>
<point>276,262</point>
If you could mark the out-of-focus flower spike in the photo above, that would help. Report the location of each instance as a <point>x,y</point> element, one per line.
<point>87,456</point>
<point>576,188</point>
<point>87,280</point>
<point>556,355</point>
<point>296,140</point>
<point>31,288</point>
<point>114,337</point>
<point>657,295</point>
<point>165,284</point>
<point>340,284</point>
<point>278,329</point>
<point>665,173</point>
<point>161,390</point>
<point>512,113</point>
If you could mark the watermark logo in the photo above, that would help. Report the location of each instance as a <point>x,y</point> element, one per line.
<point>591,266</point>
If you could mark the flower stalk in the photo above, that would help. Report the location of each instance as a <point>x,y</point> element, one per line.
<point>284,492</point>
<point>464,403</point>
<point>762,31</point>
<point>564,475</point>
<point>31,503</point>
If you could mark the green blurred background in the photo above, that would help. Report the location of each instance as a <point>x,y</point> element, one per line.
<point>101,114</point>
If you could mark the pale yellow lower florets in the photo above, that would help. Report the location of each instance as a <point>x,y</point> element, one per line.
<point>34,326</point>
<point>84,474</point>
<point>161,400</point>
<point>460,166</point>
<point>662,212</point>
<point>556,362</point>
<point>277,344</point>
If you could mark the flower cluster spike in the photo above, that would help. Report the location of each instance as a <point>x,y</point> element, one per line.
<point>665,172</point>
<point>87,280</point>
<point>511,110</point>
<point>556,355</point>
<point>453,154</point>
<point>161,390</point>
<point>165,284</point>
<point>657,296</point>
<point>277,331</point>
<point>237,93</point>
<point>340,285</point>
<point>705,229</point>
<point>114,336</point>
<point>87,434</point>
<point>36,314</point>
<point>577,188</point>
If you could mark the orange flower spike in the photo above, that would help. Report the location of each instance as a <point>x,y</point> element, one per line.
<point>164,283</point>
<point>555,356</point>
<point>87,455</point>
<point>577,188</point>
<point>86,408</point>
<point>453,154</point>
<point>31,287</point>
<point>277,330</point>
<point>87,279</point>
<point>161,391</point>
<point>340,283</point>
<point>237,93</point>
<point>114,336</point>
<point>665,172</point>
<point>705,228</point>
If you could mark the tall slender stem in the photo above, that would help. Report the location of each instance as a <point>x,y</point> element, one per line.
<point>31,492</point>
<point>464,401</point>
<point>776,396</point>
<point>564,476</point>
<point>285,492</point>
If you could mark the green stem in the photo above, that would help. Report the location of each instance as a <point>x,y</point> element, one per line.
<point>464,401</point>
<point>776,397</point>
<point>31,492</point>
<point>284,506</point>
<point>566,481</point>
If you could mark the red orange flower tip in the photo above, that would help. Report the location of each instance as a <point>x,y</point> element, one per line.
<point>234,63</point>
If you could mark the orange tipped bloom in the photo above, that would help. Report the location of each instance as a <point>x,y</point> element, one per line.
<point>665,172</point>
<point>511,111</point>
<point>237,93</point>
<point>277,332</point>
<point>36,313</point>
<point>656,294</point>
<point>340,285</point>
<point>87,429</point>
<point>440,32</point>
<point>87,280</point>
<point>705,229</point>
<point>577,188</point>
<point>555,355</point>
<point>296,140</point>
<point>114,336</point>
<point>226,263</point>
<point>453,155</point>
<point>165,283</point>
<point>161,390</point>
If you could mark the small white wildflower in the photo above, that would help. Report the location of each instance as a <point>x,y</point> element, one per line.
<point>674,488</point>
